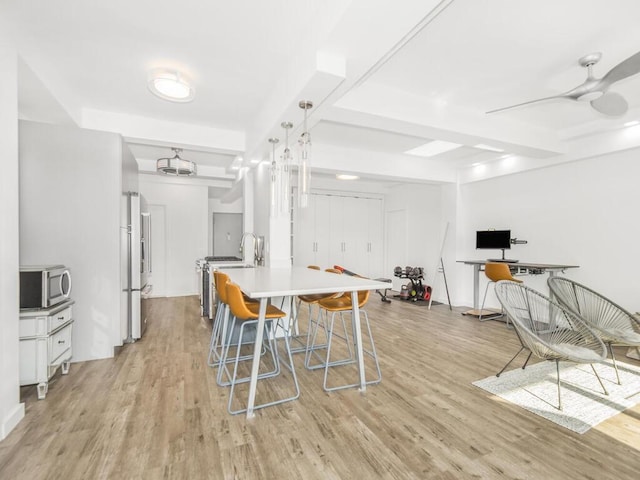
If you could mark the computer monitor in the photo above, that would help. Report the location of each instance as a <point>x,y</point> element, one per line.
<point>493,239</point>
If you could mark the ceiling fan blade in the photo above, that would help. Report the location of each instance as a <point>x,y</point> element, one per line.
<point>611,103</point>
<point>527,103</point>
<point>624,69</point>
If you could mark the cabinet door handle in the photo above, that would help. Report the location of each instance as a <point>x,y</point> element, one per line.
<point>60,318</point>
<point>60,341</point>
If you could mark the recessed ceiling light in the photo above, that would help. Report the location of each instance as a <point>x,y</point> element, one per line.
<point>255,161</point>
<point>344,176</point>
<point>433,148</point>
<point>632,123</point>
<point>482,146</point>
<point>170,85</point>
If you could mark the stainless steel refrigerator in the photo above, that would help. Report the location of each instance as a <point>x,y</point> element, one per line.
<point>137,281</point>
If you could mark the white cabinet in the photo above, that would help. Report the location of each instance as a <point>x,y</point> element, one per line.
<point>340,230</point>
<point>45,344</point>
<point>311,232</point>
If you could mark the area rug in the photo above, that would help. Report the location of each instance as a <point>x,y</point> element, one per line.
<point>584,403</point>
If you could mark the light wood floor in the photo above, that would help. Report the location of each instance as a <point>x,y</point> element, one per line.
<point>155,412</point>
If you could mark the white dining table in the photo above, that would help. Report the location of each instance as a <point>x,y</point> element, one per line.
<point>263,283</point>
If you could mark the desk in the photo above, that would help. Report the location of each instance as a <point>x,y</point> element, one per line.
<point>263,283</point>
<point>520,267</point>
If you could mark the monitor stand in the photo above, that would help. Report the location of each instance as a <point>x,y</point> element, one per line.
<point>503,260</point>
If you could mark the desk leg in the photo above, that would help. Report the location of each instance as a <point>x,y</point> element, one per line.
<point>357,333</point>
<point>255,366</point>
<point>476,287</point>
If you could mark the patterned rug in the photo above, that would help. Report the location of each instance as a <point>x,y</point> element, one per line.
<point>584,404</point>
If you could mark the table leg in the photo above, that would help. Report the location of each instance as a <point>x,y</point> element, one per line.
<point>255,366</point>
<point>476,287</point>
<point>357,333</point>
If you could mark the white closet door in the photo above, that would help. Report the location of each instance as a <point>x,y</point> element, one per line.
<point>322,213</point>
<point>304,252</point>
<point>374,247</point>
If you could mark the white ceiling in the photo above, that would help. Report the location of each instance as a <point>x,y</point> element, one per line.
<point>385,77</point>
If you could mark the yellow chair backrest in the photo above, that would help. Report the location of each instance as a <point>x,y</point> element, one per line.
<point>221,280</point>
<point>499,271</point>
<point>237,304</point>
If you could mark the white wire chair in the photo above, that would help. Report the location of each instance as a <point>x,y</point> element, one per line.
<point>548,330</point>
<point>612,323</point>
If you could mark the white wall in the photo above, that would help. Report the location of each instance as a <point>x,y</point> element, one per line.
<point>70,189</point>
<point>423,209</point>
<point>11,410</point>
<point>187,230</point>
<point>583,213</point>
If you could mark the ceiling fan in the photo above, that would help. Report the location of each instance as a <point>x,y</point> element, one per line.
<point>595,90</point>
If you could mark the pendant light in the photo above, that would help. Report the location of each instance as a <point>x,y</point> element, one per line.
<point>304,162</point>
<point>176,165</point>
<point>274,177</point>
<point>285,169</point>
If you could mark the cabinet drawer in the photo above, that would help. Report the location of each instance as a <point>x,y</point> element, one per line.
<point>59,318</point>
<point>59,343</point>
<point>42,325</point>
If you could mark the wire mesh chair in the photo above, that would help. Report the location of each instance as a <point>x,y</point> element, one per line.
<point>612,323</point>
<point>548,330</point>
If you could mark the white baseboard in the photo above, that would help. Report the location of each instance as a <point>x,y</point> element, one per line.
<point>11,420</point>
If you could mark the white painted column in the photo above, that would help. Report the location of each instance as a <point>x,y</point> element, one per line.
<point>11,410</point>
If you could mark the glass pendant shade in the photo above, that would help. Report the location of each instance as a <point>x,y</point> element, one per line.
<point>304,162</point>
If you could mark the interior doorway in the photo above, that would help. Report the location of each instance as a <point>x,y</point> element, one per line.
<point>227,232</point>
<point>157,275</point>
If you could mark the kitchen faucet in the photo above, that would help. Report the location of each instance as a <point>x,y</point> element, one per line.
<point>255,245</point>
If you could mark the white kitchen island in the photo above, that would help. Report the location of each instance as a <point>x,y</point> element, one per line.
<point>263,283</point>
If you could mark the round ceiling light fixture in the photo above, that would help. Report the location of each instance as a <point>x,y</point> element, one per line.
<point>170,85</point>
<point>176,165</point>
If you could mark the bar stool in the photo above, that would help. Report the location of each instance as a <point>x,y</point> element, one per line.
<point>220,330</point>
<point>341,305</point>
<point>312,347</point>
<point>219,279</point>
<point>247,314</point>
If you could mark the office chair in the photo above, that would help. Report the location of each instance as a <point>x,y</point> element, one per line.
<point>495,272</point>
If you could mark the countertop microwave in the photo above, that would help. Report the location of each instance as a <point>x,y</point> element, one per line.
<point>43,286</point>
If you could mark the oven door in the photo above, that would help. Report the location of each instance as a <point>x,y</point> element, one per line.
<point>57,286</point>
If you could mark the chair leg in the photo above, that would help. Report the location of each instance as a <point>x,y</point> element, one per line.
<point>526,362</point>
<point>372,353</point>
<point>615,365</point>
<point>509,362</point>
<point>558,382</point>
<point>486,289</point>
<point>599,379</point>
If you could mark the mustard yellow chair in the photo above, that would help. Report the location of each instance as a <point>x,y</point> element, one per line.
<point>495,272</point>
<point>340,305</point>
<point>247,313</point>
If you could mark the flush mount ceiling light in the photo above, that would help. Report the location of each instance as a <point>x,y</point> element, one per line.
<point>344,176</point>
<point>170,85</point>
<point>490,148</point>
<point>433,148</point>
<point>176,165</point>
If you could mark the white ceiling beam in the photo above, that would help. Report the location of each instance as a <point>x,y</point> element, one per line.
<point>163,132</point>
<point>407,113</point>
<point>368,31</point>
<point>381,166</point>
